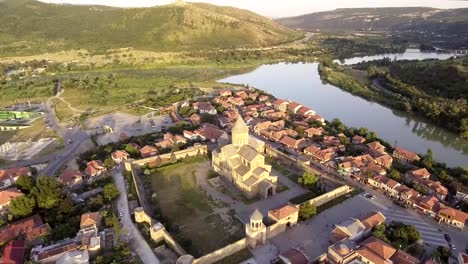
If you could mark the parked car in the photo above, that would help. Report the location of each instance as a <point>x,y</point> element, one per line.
<point>448,238</point>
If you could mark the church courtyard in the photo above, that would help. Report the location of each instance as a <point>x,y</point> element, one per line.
<point>199,223</point>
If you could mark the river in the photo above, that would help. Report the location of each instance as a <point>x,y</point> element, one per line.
<point>409,54</point>
<point>301,82</point>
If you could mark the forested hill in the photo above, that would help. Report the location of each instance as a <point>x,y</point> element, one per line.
<point>383,19</point>
<point>29,26</point>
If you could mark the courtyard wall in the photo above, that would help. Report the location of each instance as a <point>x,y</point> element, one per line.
<point>329,196</point>
<point>222,252</point>
<point>197,149</point>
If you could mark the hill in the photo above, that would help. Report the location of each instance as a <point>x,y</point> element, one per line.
<point>30,27</point>
<point>383,19</point>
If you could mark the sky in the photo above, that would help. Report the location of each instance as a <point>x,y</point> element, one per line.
<point>282,8</point>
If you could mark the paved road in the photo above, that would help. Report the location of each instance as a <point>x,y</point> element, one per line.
<point>136,241</point>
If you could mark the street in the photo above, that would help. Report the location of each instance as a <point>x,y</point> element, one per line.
<point>136,241</point>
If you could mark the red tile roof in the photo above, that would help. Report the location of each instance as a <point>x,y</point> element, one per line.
<point>89,219</point>
<point>31,228</point>
<point>13,252</point>
<point>70,176</point>
<point>379,247</point>
<point>295,256</point>
<point>283,212</point>
<point>9,194</point>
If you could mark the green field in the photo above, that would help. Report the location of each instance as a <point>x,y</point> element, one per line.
<point>37,131</point>
<point>191,213</point>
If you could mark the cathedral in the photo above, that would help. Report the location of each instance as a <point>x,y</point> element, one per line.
<point>242,164</point>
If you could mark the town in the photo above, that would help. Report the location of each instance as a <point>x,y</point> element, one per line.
<point>236,176</point>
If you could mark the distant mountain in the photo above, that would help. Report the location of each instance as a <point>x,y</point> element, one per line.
<point>383,19</point>
<point>29,26</point>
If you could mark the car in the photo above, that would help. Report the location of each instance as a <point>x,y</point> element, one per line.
<point>372,197</point>
<point>365,195</point>
<point>120,214</point>
<point>69,141</point>
<point>453,247</point>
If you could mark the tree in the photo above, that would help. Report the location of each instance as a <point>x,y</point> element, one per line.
<point>25,182</point>
<point>307,211</point>
<point>111,191</point>
<point>109,163</point>
<point>22,205</point>
<point>131,150</point>
<point>308,179</point>
<point>394,174</point>
<point>47,192</point>
<point>66,205</point>
<point>173,158</point>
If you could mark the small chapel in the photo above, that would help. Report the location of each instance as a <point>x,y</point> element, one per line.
<point>243,164</point>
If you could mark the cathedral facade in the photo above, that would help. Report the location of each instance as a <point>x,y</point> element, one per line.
<point>242,164</point>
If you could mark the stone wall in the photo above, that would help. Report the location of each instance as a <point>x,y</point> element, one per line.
<point>181,154</point>
<point>275,230</point>
<point>329,196</point>
<point>222,252</point>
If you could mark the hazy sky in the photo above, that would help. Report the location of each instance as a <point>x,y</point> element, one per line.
<point>279,8</point>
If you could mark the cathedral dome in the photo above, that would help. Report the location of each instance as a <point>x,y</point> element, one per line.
<point>240,126</point>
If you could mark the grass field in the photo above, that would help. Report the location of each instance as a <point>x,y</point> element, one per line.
<point>37,131</point>
<point>236,258</point>
<point>205,222</point>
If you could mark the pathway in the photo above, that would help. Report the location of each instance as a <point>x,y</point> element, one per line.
<point>136,241</point>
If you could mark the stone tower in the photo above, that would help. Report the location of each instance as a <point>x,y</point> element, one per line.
<point>240,133</point>
<point>255,230</point>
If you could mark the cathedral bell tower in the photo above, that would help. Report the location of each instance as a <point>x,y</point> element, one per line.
<point>240,133</point>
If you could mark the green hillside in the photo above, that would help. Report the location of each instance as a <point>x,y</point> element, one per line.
<point>31,27</point>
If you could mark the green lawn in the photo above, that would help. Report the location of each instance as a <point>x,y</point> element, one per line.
<point>190,212</point>
<point>236,258</point>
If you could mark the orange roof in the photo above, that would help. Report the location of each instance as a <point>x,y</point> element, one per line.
<point>283,212</point>
<point>375,145</point>
<point>15,172</point>
<point>69,176</point>
<point>90,219</point>
<point>120,154</point>
<point>373,219</point>
<point>371,255</point>
<point>9,194</point>
<point>295,256</point>
<point>280,102</point>
<point>379,247</point>
<point>312,149</point>
<point>401,257</point>
<point>454,214</point>
<point>429,203</point>
<point>420,173</point>
<point>31,228</point>
<point>405,153</point>
<point>148,149</point>
<point>314,131</point>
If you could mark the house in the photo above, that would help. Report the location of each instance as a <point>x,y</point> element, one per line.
<point>119,156</point>
<point>407,195</point>
<point>429,205</point>
<point>209,133</point>
<point>29,229</point>
<point>356,229</point>
<point>50,254</point>
<point>305,111</point>
<point>6,196</point>
<point>293,143</point>
<point>195,119</point>
<point>70,178</point>
<point>190,135</point>
<point>277,115</point>
<point>13,252</point>
<point>311,132</point>
<point>315,118</point>
<point>170,140</point>
<point>401,257</point>
<point>286,215</point>
<point>225,93</point>
<point>351,229</point>
<point>437,189</point>
<point>374,250</point>
<point>358,140</point>
<point>95,168</point>
<point>281,105</point>
<point>9,176</point>
<point>384,160</point>
<point>325,155</point>
<point>263,98</point>
<point>92,219</point>
<point>237,101</point>
<point>204,108</point>
<point>405,156</point>
<point>294,107</point>
<point>294,256</point>
<point>241,94</point>
<point>418,174</point>
<point>148,151</point>
<point>376,149</point>
<point>452,217</point>
<point>390,187</point>
<point>311,150</point>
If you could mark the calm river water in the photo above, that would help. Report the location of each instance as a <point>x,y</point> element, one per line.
<point>301,82</point>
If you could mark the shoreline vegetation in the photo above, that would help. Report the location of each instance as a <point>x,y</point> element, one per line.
<point>374,82</point>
